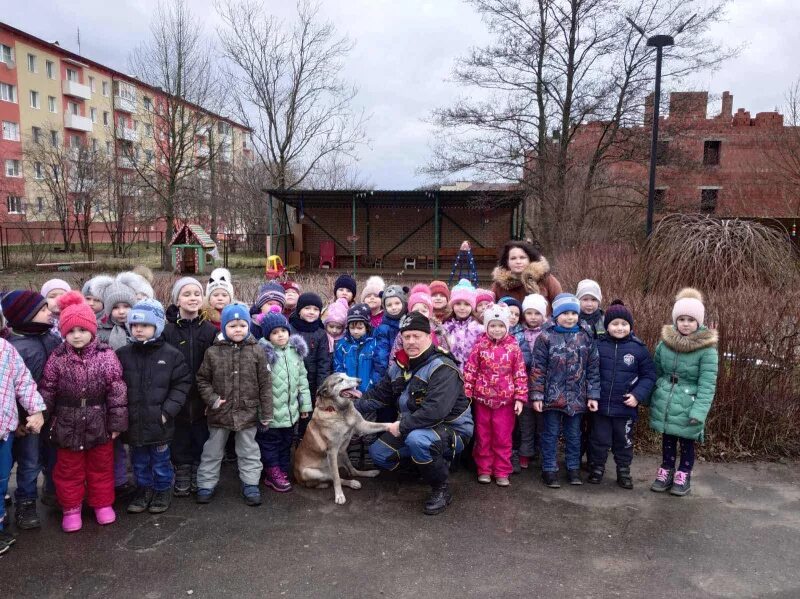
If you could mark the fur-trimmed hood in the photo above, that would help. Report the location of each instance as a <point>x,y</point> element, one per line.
<point>530,278</point>
<point>685,344</point>
<point>296,342</point>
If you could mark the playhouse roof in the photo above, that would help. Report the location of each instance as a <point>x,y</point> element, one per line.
<point>193,235</point>
<point>468,199</point>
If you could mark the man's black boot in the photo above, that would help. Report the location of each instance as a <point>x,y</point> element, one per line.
<point>438,500</point>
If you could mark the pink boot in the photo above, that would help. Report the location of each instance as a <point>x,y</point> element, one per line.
<point>105,515</point>
<point>71,521</point>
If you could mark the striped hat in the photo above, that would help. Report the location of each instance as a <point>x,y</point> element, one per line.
<point>565,302</point>
<point>20,306</point>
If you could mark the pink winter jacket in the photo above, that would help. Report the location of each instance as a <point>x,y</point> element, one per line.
<point>495,372</point>
<point>461,336</point>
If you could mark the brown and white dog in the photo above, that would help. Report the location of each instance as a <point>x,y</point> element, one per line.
<point>323,449</point>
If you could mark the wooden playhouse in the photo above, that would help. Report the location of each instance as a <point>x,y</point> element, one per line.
<point>191,249</point>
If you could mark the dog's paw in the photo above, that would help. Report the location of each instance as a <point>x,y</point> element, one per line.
<point>370,473</point>
<point>339,498</point>
<point>354,484</point>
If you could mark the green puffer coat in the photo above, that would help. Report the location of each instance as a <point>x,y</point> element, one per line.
<point>686,367</point>
<point>290,392</point>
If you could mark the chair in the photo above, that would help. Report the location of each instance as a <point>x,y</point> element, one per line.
<point>422,261</point>
<point>409,262</point>
<point>378,263</point>
<point>327,254</point>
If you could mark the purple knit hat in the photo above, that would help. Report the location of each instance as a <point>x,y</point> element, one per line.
<point>337,312</point>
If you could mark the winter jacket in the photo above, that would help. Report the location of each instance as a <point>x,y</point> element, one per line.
<point>290,389</point>
<point>85,395</point>
<point>157,379</point>
<point>317,357</point>
<point>385,337</point>
<point>16,386</point>
<point>375,320</point>
<point>594,322</point>
<point>686,367</point>
<point>566,369</point>
<point>518,331</point>
<point>239,374</point>
<point>536,278</point>
<point>113,334</point>
<point>34,349</point>
<point>357,358</point>
<point>495,372</point>
<point>192,338</point>
<point>625,367</point>
<point>461,336</point>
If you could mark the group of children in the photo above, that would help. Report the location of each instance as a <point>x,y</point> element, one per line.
<point>123,381</point>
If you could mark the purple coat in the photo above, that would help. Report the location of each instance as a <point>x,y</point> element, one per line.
<point>85,395</point>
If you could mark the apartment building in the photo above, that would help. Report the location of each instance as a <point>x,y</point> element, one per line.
<point>53,96</point>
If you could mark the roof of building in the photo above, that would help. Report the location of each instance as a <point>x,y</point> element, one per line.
<point>470,199</point>
<point>192,235</point>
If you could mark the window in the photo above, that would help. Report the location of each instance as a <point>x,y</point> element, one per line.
<point>148,130</point>
<point>148,103</point>
<point>54,137</point>
<point>105,88</point>
<point>223,128</point>
<point>148,155</point>
<point>73,108</point>
<point>7,55</point>
<point>72,75</point>
<point>8,92</point>
<point>135,125</point>
<point>708,200</point>
<point>94,145</point>
<point>35,99</point>
<point>121,122</point>
<point>75,141</point>
<point>10,131</point>
<point>105,118</point>
<point>51,104</point>
<point>40,204</point>
<point>36,134</point>
<point>31,63</point>
<point>660,199</point>
<point>711,152</point>
<point>37,170</point>
<point>109,148</point>
<point>49,68</point>
<point>93,114</point>
<point>15,205</point>
<point>12,168</point>
<point>91,84</point>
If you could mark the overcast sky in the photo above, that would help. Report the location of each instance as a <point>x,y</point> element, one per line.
<point>404,53</point>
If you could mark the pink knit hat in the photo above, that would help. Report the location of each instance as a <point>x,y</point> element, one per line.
<point>420,294</point>
<point>75,312</point>
<point>336,312</point>
<point>483,295</point>
<point>463,292</point>
<point>689,302</point>
<point>374,286</point>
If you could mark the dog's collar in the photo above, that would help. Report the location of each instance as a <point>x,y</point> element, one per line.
<point>329,409</point>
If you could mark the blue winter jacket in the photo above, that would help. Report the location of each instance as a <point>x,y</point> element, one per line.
<point>357,358</point>
<point>625,367</point>
<point>385,336</point>
<point>518,331</point>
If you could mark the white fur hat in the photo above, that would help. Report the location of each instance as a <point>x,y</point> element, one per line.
<point>374,286</point>
<point>534,301</point>
<point>496,312</point>
<point>220,278</point>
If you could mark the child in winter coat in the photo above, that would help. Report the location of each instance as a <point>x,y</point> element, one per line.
<point>345,286</point>
<point>461,329</point>
<point>627,377</point>
<point>192,335</point>
<point>565,381</point>
<point>269,295</point>
<point>483,298</point>
<point>219,293</point>
<point>440,297</point>
<point>157,379</point>
<point>93,294</point>
<point>29,332</point>
<point>292,291</point>
<point>534,310</point>
<point>234,382</point>
<point>495,378</point>
<point>394,308</point>
<point>85,394</point>
<point>51,290</point>
<point>591,315</point>
<point>140,279</point>
<point>291,399</point>
<point>335,321</point>
<point>371,295</point>
<point>16,387</point>
<point>419,300</point>
<point>686,365</point>
<point>118,299</point>
<point>355,352</point>
<point>514,313</point>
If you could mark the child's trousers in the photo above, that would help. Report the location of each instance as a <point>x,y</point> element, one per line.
<point>88,473</point>
<point>276,447</point>
<point>152,467</point>
<point>553,422</point>
<point>5,472</point>
<point>614,433</point>
<point>669,451</point>
<point>530,432</point>
<point>247,456</point>
<point>493,431</point>
<point>120,463</point>
<point>29,465</point>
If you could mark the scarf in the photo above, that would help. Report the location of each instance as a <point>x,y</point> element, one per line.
<point>32,328</point>
<point>303,326</point>
<point>561,329</point>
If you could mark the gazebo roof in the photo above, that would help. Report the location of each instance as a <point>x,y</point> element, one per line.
<point>193,235</point>
<point>467,199</point>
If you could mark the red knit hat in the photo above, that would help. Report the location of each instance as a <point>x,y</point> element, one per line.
<point>440,287</point>
<point>75,312</point>
<point>287,285</point>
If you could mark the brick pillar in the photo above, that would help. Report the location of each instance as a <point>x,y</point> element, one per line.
<point>727,106</point>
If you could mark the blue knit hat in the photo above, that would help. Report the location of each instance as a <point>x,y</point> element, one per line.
<point>565,302</point>
<point>511,301</point>
<point>270,292</point>
<point>235,311</point>
<point>147,311</point>
<point>273,320</point>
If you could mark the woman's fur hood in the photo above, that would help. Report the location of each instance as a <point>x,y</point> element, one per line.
<point>296,342</point>
<point>684,344</point>
<point>530,278</point>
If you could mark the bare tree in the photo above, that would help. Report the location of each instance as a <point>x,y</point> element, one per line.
<point>178,60</point>
<point>783,151</point>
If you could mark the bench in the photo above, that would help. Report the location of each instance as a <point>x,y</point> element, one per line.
<point>480,255</point>
<point>63,266</point>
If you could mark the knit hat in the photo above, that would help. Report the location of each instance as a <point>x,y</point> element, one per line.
<point>147,311</point>
<point>689,302</point>
<point>359,313</point>
<point>180,284</point>
<point>589,287</point>
<point>117,293</point>
<point>496,312</point>
<point>440,287</point>
<point>54,284</point>
<point>511,301</point>
<point>75,312</point>
<point>336,312</point>
<point>420,294</point>
<point>95,286</point>
<point>617,310</point>
<point>483,295</point>
<point>20,306</point>
<point>273,320</point>
<point>137,282</point>
<point>270,292</point>
<point>220,278</point>
<point>395,291</point>
<point>374,286</point>
<point>234,311</point>
<point>565,302</point>
<point>414,321</point>
<point>308,299</point>
<point>463,292</point>
<point>345,282</point>
<point>287,285</point>
<point>534,301</point>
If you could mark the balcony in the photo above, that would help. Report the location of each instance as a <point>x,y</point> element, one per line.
<point>126,134</point>
<point>76,90</point>
<point>125,104</point>
<point>125,162</point>
<point>77,122</point>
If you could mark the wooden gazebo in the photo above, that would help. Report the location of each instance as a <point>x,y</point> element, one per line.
<point>190,250</point>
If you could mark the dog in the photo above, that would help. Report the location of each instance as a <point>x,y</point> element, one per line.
<point>323,449</point>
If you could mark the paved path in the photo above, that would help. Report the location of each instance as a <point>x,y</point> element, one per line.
<point>738,536</point>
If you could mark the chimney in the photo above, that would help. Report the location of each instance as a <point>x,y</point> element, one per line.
<point>727,106</point>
